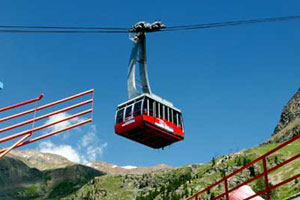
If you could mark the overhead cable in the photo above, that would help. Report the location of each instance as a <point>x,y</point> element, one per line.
<point>80,29</point>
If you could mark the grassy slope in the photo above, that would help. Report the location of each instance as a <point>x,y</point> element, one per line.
<point>182,182</point>
<point>274,177</point>
<point>79,182</point>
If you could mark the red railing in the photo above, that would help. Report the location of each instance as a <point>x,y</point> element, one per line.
<point>264,174</point>
<point>28,133</point>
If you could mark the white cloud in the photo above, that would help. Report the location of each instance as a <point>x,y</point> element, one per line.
<point>66,151</point>
<point>91,144</point>
<point>63,124</point>
<point>88,148</point>
<point>89,138</point>
<point>94,151</point>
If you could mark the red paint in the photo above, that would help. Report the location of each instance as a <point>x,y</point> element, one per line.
<point>30,132</point>
<point>22,103</point>
<point>148,130</point>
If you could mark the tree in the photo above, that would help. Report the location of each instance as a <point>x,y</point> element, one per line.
<point>276,160</point>
<point>246,161</point>
<point>212,195</point>
<point>175,196</point>
<point>186,192</point>
<point>213,162</point>
<point>252,171</point>
<point>223,172</point>
<point>238,162</point>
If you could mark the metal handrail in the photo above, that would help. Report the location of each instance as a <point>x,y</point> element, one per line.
<point>28,133</point>
<point>22,103</point>
<point>263,174</point>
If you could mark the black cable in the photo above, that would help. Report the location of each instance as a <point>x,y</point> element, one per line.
<point>230,23</point>
<point>62,27</point>
<point>58,31</point>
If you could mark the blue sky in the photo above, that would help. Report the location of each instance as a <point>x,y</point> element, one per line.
<point>231,83</point>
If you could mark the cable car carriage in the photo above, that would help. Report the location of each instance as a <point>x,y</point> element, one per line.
<point>146,118</point>
<point>149,120</point>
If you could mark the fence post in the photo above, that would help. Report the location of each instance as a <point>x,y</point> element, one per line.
<point>266,178</point>
<point>226,188</point>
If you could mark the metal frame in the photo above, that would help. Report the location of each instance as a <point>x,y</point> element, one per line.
<point>264,174</point>
<point>28,133</point>
<point>138,55</point>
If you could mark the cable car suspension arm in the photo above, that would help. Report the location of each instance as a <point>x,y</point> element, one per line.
<point>138,55</point>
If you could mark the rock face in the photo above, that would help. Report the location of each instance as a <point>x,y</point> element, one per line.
<point>41,161</point>
<point>33,175</point>
<point>289,124</point>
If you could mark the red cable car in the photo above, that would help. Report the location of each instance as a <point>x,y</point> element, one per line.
<point>149,120</point>
<point>146,118</point>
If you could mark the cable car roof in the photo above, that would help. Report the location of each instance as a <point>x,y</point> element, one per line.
<point>152,96</point>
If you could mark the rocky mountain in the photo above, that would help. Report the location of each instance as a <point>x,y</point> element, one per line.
<point>289,123</point>
<point>41,161</point>
<point>30,174</point>
<point>45,176</point>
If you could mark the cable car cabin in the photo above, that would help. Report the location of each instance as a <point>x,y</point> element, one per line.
<point>149,120</point>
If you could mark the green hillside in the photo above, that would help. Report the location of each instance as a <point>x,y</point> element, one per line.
<point>185,181</point>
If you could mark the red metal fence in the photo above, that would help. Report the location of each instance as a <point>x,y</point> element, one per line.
<point>264,174</point>
<point>24,135</point>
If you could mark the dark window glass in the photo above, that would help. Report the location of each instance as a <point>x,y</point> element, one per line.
<point>137,108</point>
<point>119,117</point>
<point>165,113</point>
<point>128,112</point>
<point>170,114</point>
<point>151,107</point>
<point>179,120</point>
<point>161,111</point>
<point>156,109</point>
<point>145,106</point>
<point>174,117</point>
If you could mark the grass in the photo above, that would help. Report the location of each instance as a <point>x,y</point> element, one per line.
<point>63,189</point>
<point>201,176</point>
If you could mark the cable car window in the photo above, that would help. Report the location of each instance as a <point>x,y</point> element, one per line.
<point>151,107</point>
<point>128,112</point>
<point>179,120</point>
<point>154,109</point>
<point>161,113</point>
<point>170,114</point>
<point>137,108</point>
<point>119,117</point>
<point>145,107</point>
<point>182,125</point>
<point>157,109</point>
<point>165,112</point>
<point>175,117</point>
